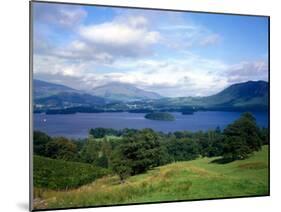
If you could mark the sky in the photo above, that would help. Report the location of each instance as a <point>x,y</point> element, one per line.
<point>171,53</point>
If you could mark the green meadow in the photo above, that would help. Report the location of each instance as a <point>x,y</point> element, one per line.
<point>189,180</point>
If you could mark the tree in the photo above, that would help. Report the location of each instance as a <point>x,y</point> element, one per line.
<point>40,140</point>
<point>183,149</point>
<point>241,138</point>
<point>235,148</point>
<point>216,146</point>
<point>106,151</point>
<point>61,148</point>
<point>102,161</point>
<point>98,132</point>
<point>179,134</point>
<point>264,135</point>
<point>90,151</point>
<point>121,167</point>
<point>138,152</point>
<point>212,143</point>
<point>102,132</point>
<point>218,130</point>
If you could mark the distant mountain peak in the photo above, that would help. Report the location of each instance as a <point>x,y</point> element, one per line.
<point>123,92</point>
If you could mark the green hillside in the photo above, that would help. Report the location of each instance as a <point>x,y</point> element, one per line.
<point>59,174</point>
<point>197,179</point>
<point>251,93</point>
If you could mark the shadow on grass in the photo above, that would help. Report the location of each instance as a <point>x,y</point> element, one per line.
<point>222,160</point>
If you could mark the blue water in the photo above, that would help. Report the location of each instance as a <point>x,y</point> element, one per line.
<point>77,125</point>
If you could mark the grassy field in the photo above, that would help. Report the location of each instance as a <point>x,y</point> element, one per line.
<point>197,179</point>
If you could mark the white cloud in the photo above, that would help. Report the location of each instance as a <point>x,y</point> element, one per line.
<point>188,34</point>
<point>248,70</point>
<point>118,35</point>
<point>82,51</point>
<point>210,40</point>
<point>69,17</point>
<point>132,49</point>
<point>60,15</point>
<point>124,36</point>
<point>55,66</point>
<point>186,76</point>
<point>130,38</point>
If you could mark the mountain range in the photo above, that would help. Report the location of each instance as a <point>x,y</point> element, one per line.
<point>251,95</point>
<point>123,92</point>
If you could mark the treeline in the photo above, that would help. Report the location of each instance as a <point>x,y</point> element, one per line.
<point>129,151</point>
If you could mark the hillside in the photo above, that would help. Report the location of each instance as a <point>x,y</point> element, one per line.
<point>197,179</point>
<point>123,92</point>
<point>68,99</point>
<point>59,174</point>
<point>55,96</point>
<point>251,95</point>
<point>44,89</point>
<point>241,94</point>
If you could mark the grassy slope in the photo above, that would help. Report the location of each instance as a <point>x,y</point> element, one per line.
<point>177,181</point>
<point>59,174</point>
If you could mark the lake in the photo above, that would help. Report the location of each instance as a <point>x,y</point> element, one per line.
<point>77,125</point>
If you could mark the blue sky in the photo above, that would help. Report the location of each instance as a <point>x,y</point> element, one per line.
<point>172,53</point>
